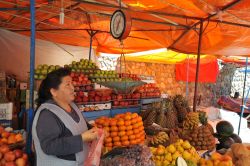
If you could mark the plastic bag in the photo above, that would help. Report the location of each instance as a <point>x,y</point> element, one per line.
<point>93,158</point>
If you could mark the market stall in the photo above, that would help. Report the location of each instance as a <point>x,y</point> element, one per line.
<point>166,132</point>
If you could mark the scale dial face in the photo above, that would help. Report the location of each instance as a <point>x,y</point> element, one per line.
<point>119,25</point>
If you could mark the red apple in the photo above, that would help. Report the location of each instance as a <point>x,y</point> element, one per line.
<point>116,103</point>
<point>20,162</point>
<point>4,149</point>
<point>11,163</point>
<point>114,96</point>
<point>97,98</point>
<point>18,153</point>
<point>119,97</point>
<point>121,103</point>
<point>108,98</point>
<point>72,74</point>
<point>25,157</point>
<point>103,98</point>
<point>1,129</point>
<point>9,156</point>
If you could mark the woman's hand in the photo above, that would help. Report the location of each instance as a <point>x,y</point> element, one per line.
<point>89,135</point>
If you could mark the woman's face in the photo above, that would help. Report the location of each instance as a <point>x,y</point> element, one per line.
<point>65,91</point>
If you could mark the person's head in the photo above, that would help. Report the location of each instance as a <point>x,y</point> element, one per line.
<point>58,86</point>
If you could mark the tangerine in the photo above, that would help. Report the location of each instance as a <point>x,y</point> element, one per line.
<point>107,129</point>
<point>129,127</point>
<point>109,144</point>
<point>130,132</point>
<point>136,131</point>
<point>124,138</point>
<point>120,123</point>
<point>127,117</point>
<point>134,115</point>
<point>108,140</point>
<point>127,123</point>
<point>139,119</point>
<point>141,128</point>
<point>121,133</point>
<point>117,138</point>
<point>138,135</point>
<point>106,124</point>
<point>135,126</point>
<point>133,121</point>
<point>113,134</point>
<point>140,124</point>
<point>113,122</point>
<point>122,128</point>
<point>132,142</point>
<point>125,143</point>
<point>131,137</point>
<point>114,128</point>
<point>117,143</point>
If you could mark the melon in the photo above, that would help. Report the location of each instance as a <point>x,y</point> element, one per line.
<point>224,128</point>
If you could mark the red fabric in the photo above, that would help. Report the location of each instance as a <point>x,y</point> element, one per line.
<point>207,73</point>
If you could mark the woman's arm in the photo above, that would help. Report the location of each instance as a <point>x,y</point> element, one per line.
<point>51,136</point>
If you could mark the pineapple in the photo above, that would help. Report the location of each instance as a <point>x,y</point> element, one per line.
<point>171,120</point>
<point>151,118</point>
<point>203,120</point>
<point>181,105</point>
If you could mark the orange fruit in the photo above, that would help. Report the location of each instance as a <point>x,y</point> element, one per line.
<point>114,128</point>
<point>134,115</point>
<point>139,119</point>
<point>133,121</point>
<point>113,134</point>
<point>124,138</point>
<point>132,142</point>
<point>106,123</point>
<point>129,127</point>
<point>120,123</point>
<point>113,122</point>
<point>130,132</point>
<point>137,141</point>
<point>109,144</point>
<point>125,143</point>
<point>117,138</point>
<point>122,128</point>
<point>138,135</point>
<point>128,113</point>
<point>131,137</point>
<point>136,131</point>
<point>108,140</point>
<point>121,133</point>
<point>99,126</point>
<point>140,124</point>
<point>127,123</point>
<point>141,128</point>
<point>117,143</point>
<point>135,126</point>
<point>106,129</point>
<point>99,121</point>
<point>127,117</point>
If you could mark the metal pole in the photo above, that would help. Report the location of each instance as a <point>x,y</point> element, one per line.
<point>32,68</point>
<point>243,103</point>
<point>187,76</point>
<point>90,45</point>
<point>197,66</point>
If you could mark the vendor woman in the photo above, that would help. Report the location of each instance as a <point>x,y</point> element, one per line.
<point>60,132</point>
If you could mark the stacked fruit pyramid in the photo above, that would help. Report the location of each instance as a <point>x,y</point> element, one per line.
<point>123,130</point>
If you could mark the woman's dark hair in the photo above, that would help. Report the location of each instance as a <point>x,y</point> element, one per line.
<point>52,80</point>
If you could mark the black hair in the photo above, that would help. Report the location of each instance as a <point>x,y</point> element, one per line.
<point>52,80</point>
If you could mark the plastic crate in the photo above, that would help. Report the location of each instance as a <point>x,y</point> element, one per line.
<point>124,110</point>
<point>96,114</point>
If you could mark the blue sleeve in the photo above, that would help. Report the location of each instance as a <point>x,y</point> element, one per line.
<point>52,137</point>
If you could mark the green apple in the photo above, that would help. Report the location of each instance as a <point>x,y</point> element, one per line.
<point>36,76</point>
<point>44,71</point>
<point>73,62</point>
<point>40,67</point>
<point>57,67</point>
<point>45,66</point>
<point>37,71</point>
<point>98,80</point>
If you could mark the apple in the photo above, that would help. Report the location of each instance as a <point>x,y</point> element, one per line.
<point>1,129</point>
<point>20,162</point>
<point>103,98</point>
<point>119,97</point>
<point>4,149</point>
<point>25,157</point>
<point>97,98</point>
<point>85,99</point>
<point>18,153</point>
<point>9,156</point>
<point>5,134</point>
<point>108,98</point>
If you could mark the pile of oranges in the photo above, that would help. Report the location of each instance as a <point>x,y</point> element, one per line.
<point>123,130</point>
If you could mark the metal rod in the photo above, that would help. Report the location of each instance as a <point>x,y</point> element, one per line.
<point>32,68</point>
<point>13,9</point>
<point>243,103</point>
<point>197,67</point>
<point>187,76</point>
<point>231,23</point>
<point>91,34</point>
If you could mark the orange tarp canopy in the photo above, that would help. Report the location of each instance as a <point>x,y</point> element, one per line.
<point>171,24</point>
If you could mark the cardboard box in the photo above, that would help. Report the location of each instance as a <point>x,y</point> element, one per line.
<point>6,110</point>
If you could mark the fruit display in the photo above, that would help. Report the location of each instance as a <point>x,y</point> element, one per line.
<point>217,160</point>
<point>12,158</point>
<point>225,135</point>
<point>84,66</point>
<point>182,107</point>
<point>135,155</point>
<point>79,79</point>
<point>167,155</point>
<point>124,100</point>
<point>9,138</point>
<point>104,76</point>
<point>203,120</point>
<point>240,154</point>
<point>123,130</point>
<point>95,96</point>
<point>201,138</point>
<point>132,76</point>
<point>149,90</point>
<point>42,70</point>
<point>191,121</point>
<point>161,138</point>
